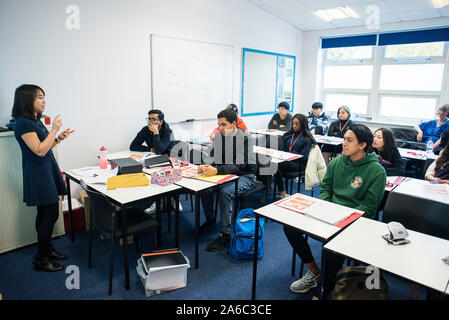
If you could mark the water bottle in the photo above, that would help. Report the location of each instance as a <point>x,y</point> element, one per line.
<point>103,158</point>
<point>429,149</point>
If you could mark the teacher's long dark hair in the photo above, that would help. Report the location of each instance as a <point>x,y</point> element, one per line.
<point>304,127</point>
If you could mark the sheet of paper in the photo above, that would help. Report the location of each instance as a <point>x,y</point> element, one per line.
<point>101,176</point>
<point>333,215</point>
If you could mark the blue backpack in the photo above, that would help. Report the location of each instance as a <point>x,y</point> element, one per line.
<point>242,242</point>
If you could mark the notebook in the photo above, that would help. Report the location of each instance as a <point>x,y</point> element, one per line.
<point>157,161</point>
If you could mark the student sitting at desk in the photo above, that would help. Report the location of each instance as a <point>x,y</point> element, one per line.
<point>388,154</point>
<point>231,152</point>
<point>240,123</point>
<point>439,170</point>
<point>318,120</point>
<point>281,120</point>
<point>337,128</point>
<point>355,180</point>
<point>297,140</point>
<point>157,135</point>
<point>434,129</point>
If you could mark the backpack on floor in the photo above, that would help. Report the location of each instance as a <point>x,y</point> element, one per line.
<point>351,284</point>
<point>242,241</point>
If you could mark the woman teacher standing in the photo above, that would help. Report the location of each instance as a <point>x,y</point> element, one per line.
<point>42,179</point>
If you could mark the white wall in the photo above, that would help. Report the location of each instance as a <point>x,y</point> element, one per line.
<point>311,63</point>
<point>98,77</point>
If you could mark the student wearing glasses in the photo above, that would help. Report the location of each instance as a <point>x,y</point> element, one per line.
<point>434,129</point>
<point>157,135</point>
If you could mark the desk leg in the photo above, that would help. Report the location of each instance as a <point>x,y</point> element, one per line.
<point>236,198</point>
<point>69,203</point>
<point>256,249</point>
<point>177,221</point>
<point>159,221</point>
<point>197,226</point>
<point>125,248</point>
<point>323,271</point>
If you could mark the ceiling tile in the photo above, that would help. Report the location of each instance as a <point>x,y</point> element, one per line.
<point>347,22</point>
<point>302,18</point>
<point>389,18</point>
<point>383,7</point>
<point>409,5</point>
<point>419,14</point>
<point>444,11</point>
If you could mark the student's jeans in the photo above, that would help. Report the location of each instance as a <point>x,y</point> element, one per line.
<point>333,261</point>
<point>226,193</point>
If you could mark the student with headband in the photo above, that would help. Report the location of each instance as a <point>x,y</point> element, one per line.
<point>337,128</point>
<point>297,140</point>
<point>355,180</point>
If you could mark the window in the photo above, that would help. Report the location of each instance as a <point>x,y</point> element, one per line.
<point>348,77</point>
<point>399,78</point>
<point>430,49</point>
<point>350,53</point>
<point>424,77</point>
<point>358,104</point>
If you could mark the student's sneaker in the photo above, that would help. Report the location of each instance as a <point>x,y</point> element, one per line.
<point>286,195</point>
<point>307,282</point>
<point>151,209</point>
<point>221,243</point>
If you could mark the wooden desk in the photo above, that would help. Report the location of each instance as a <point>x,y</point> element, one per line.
<point>419,261</point>
<point>127,197</point>
<point>314,228</point>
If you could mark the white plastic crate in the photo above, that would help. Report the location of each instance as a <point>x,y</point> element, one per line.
<point>162,279</point>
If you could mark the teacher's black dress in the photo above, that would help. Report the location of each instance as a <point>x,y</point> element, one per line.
<point>42,179</point>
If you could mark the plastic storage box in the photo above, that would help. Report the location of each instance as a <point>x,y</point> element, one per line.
<point>163,271</point>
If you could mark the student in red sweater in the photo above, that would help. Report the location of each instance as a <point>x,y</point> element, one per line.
<point>240,123</point>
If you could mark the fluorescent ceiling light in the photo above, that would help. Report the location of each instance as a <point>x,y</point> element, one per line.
<point>440,3</point>
<point>323,15</point>
<point>337,13</point>
<point>349,12</point>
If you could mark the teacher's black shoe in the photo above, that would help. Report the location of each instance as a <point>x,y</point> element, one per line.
<point>45,264</point>
<point>55,255</point>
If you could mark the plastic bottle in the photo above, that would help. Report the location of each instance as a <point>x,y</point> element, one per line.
<point>429,149</point>
<point>103,158</point>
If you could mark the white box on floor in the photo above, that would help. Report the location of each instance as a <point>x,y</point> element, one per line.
<point>162,271</point>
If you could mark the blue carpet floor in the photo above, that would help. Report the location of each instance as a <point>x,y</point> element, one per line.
<point>219,277</point>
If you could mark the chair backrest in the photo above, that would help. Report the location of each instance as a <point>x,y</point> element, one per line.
<point>418,214</point>
<point>101,210</point>
<point>406,134</point>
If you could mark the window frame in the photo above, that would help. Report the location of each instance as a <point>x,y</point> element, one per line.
<point>375,93</point>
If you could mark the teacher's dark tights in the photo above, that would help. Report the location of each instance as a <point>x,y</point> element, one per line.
<point>46,218</point>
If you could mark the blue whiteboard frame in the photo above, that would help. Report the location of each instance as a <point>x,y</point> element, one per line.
<point>244,50</point>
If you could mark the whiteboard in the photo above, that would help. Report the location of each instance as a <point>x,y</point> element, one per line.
<point>259,83</point>
<point>268,78</point>
<point>190,79</point>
